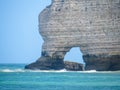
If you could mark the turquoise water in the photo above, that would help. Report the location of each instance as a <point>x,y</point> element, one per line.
<point>14,77</point>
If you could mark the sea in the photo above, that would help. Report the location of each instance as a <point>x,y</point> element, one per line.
<point>15,77</point>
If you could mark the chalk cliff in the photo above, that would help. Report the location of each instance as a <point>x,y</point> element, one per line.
<point>92,25</point>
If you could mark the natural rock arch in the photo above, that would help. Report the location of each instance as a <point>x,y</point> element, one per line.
<point>92,25</point>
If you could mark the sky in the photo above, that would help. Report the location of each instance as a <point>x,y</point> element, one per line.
<point>20,41</point>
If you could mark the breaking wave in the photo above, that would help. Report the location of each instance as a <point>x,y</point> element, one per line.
<point>90,71</point>
<point>24,70</point>
<point>54,71</point>
<point>12,70</point>
<point>57,71</point>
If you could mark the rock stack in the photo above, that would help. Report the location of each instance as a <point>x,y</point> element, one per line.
<point>92,25</point>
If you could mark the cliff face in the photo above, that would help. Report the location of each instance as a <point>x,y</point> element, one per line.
<point>92,25</point>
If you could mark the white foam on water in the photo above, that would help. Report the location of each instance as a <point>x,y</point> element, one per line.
<point>12,70</point>
<point>90,71</point>
<point>24,70</point>
<point>55,71</point>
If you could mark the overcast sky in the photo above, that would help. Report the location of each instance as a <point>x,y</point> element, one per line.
<point>20,41</point>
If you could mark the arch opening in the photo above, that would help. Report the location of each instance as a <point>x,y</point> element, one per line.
<point>74,55</point>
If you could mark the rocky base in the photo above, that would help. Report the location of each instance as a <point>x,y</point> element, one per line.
<point>102,62</point>
<point>93,62</point>
<point>45,63</point>
<point>73,66</point>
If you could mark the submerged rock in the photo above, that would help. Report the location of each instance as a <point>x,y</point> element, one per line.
<point>92,25</point>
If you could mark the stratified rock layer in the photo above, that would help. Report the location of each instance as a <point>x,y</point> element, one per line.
<point>92,25</point>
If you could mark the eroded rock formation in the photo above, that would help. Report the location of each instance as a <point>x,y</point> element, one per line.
<point>92,25</point>
<point>46,64</point>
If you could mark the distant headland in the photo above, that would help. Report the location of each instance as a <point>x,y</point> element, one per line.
<point>92,25</point>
